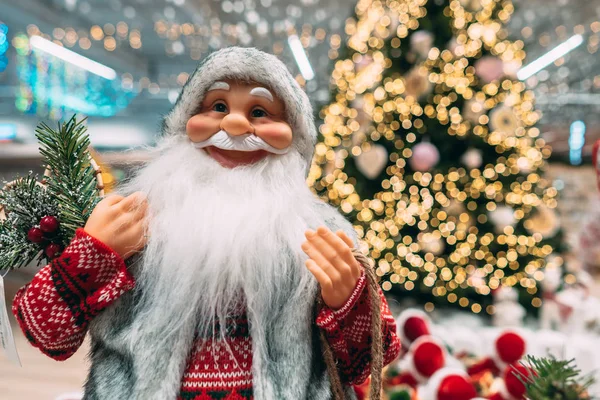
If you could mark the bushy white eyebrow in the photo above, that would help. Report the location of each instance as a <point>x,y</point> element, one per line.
<point>263,92</point>
<point>219,85</point>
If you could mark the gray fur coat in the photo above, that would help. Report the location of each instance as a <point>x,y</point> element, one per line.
<point>299,371</point>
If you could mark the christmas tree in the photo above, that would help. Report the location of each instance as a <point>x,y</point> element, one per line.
<point>430,147</point>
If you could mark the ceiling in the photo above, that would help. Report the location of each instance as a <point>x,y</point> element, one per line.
<point>155,43</point>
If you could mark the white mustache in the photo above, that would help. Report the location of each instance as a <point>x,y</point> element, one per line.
<point>246,142</point>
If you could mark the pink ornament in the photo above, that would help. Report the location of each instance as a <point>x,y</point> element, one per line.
<point>489,68</point>
<point>425,156</point>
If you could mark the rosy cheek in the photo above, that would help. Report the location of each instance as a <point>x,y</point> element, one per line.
<point>277,134</point>
<point>200,127</point>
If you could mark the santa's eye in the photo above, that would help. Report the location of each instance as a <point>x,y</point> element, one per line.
<point>220,107</point>
<point>258,113</point>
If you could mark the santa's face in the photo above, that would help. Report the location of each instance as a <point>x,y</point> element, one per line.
<point>240,123</point>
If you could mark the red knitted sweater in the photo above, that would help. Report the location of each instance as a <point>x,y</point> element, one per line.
<point>54,311</point>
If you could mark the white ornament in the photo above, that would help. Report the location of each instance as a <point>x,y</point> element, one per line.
<point>502,217</point>
<point>508,312</point>
<point>371,162</point>
<point>472,158</point>
<point>576,299</point>
<point>473,109</point>
<point>421,42</point>
<point>432,244</point>
<point>524,165</point>
<point>424,157</point>
<point>544,222</point>
<point>503,119</point>
<point>550,314</point>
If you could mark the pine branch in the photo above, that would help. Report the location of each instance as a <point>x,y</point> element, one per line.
<point>553,379</point>
<point>73,181</point>
<point>69,196</point>
<point>25,202</point>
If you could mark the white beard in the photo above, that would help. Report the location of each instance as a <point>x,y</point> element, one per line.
<point>218,235</point>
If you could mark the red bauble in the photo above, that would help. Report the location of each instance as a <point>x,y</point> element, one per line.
<point>415,327</point>
<point>403,379</point>
<point>49,224</point>
<point>35,235</point>
<point>514,386</point>
<point>52,250</point>
<point>510,347</point>
<point>456,387</point>
<point>428,357</point>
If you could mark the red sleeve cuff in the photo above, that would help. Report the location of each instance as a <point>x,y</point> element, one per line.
<point>89,276</point>
<point>329,318</point>
<point>343,311</point>
<point>99,245</point>
<point>91,262</point>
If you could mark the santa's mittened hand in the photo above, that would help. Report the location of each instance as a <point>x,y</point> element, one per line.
<point>333,265</point>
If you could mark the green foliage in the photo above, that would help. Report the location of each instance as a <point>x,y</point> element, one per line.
<point>72,182</point>
<point>402,395</point>
<point>26,202</point>
<point>555,380</point>
<point>69,195</point>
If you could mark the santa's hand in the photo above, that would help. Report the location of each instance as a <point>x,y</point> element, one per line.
<point>119,222</point>
<point>332,263</point>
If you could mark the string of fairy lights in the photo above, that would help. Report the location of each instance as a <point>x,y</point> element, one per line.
<point>444,206</point>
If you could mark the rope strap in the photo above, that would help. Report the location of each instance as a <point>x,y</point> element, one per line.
<point>376,337</point>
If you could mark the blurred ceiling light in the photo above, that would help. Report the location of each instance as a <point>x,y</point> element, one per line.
<point>551,56</point>
<point>110,43</point>
<point>97,32</point>
<point>67,55</point>
<point>576,141</point>
<point>300,57</point>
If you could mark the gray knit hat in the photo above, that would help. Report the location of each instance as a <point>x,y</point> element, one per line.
<point>247,64</point>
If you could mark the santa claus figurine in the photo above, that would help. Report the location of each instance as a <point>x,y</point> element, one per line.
<point>448,384</point>
<point>238,278</point>
<point>509,348</point>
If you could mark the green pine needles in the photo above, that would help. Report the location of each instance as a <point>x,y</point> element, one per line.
<point>25,203</point>
<point>555,380</point>
<point>73,179</point>
<point>65,199</point>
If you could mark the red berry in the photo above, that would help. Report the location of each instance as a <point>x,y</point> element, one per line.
<point>52,250</point>
<point>49,224</point>
<point>35,235</point>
